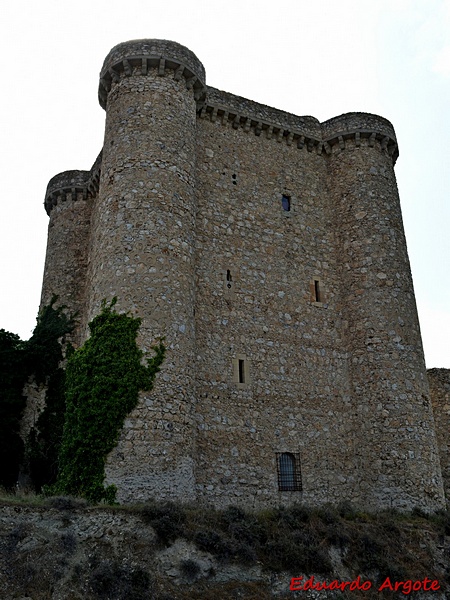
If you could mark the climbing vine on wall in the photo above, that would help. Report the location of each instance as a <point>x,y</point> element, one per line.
<point>103,379</point>
<point>44,362</point>
<point>38,358</point>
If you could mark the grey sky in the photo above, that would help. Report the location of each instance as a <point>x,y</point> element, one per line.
<point>321,57</point>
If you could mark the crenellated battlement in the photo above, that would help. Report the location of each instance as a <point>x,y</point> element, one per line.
<point>141,57</point>
<point>358,126</point>
<point>302,132</point>
<point>68,185</point>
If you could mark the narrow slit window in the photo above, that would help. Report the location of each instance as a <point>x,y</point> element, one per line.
<point>289,474</point>
<point>317,294</point>
<point>286,203</point>
<point>241,367</point>
<point>241,371</point>
<point>229,279</point>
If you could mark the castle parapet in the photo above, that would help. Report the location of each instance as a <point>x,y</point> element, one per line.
<point>303,132</point>
<point>356,126</point>
<point>63,184</point>
<point>141,56</point>
<point>70,184</point>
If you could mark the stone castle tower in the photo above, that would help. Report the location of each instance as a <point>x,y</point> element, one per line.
<point>269,250</point>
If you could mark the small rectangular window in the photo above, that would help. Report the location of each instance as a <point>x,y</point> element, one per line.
<point>241,371</point>
<point>317,290</point>
<point>286,203</point>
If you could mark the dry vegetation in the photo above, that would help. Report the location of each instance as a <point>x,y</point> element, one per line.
<point>285,542</point>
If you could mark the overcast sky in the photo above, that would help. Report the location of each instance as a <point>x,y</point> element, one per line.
<point>309,57</point>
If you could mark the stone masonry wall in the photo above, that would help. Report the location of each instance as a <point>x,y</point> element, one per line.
<point>439,381</point>
<point>269,251</point>
<point>297,364</point>
<point>67,243</point>
<point>397,455</point>
<point>142,251</point>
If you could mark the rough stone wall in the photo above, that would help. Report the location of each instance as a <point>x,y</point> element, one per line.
<point>287,330</point>
<point>396,445</point>
<point>297,364</point>
<point>439,381</point>
<point>142,251</point>
<point>67,243</point>
<point>35,395</point>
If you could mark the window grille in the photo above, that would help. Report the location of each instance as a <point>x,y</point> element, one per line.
<point>289,473</point>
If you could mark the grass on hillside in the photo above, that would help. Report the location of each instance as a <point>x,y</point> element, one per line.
<point>295,540</point>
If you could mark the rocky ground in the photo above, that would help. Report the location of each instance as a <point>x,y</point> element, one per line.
<point>62,549</point>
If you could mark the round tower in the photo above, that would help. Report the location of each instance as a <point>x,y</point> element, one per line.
<point>395,448</point>
<point>142,249</point>
<point>68,204</point>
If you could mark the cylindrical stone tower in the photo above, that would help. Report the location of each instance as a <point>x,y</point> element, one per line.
<point>142,250</point>
<point>395,447</point>
<point>68,204</point>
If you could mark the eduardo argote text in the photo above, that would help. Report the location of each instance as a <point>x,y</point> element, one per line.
<point>299,584</point>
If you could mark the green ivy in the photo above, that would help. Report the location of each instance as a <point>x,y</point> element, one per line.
<point>40,358</point>
<point>44,359</point>
<point>12,403</point>
<point>103,379</point>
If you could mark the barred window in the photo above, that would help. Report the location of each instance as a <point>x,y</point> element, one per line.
<point>289,474</point>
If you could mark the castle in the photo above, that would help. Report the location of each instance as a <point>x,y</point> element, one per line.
<point>269,251</point>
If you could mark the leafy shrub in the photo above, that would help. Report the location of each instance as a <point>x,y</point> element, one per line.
<point>297,554</point>
<point>233,514</point>
<point>336,536</point>
<point>370,552</point>
<point>167,519</point>
<point>12,403</point>
<point>112,580</point>
<point>245,529</point>
<point>328,515</point>
<point>291,517</point>
<point>346,510</point>
<point>65,502</point>
<point>442,518</point>
<point>190,569</point>
<point>214,542</point>
<point>419,512</point>
<point>68,543</point>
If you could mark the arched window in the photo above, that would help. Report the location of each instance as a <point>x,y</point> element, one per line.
<point>289,474</point>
